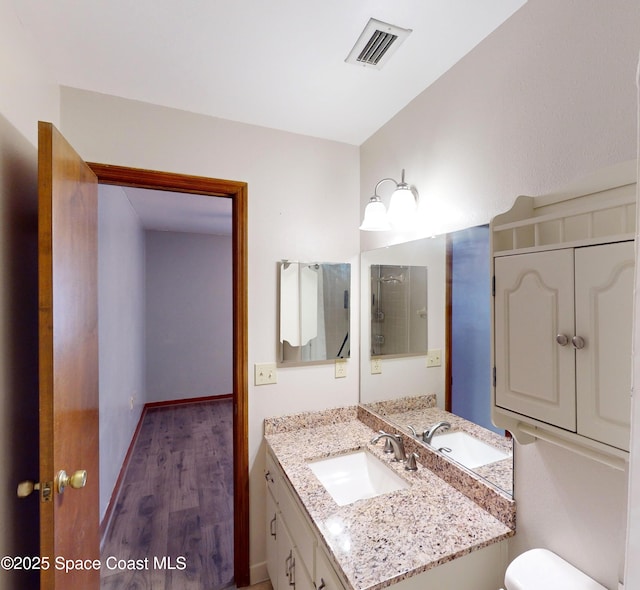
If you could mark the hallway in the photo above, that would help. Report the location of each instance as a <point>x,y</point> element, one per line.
<point>175,503</point>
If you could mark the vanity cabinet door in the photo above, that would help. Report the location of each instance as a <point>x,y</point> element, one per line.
<point>604,308</point>
<point>291,573</point>
<point>285,561</point>
<point>326,578</point>
<point>534,314</point>
<point>272,538</point>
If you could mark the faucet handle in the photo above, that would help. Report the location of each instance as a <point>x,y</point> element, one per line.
<point>411,464</point>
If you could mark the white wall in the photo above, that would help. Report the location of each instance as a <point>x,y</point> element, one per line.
<point>121,307</point>
<point>189,309</point>
<point>26,95</point>
<point>548,97</point>
<point>303,205</point>
<point>632,574</point>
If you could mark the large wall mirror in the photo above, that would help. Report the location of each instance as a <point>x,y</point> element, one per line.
<point>314,311</point>
<point>398,310</point>
<point>403,388</point>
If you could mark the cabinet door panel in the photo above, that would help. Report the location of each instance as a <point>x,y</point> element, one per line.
<point>298,528</point>
<point>272,540</point>
<point>535,376</point>
<point>286,559</point>
<point>326,578</point>
<point>604,308</point>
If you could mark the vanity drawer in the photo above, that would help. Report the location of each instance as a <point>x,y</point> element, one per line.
<point>272,476</point>
<point>301,534</point>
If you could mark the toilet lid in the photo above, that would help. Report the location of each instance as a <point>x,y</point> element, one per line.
<point>540,569</point>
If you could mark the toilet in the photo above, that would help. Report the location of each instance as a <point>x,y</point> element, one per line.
<point>540,569</point>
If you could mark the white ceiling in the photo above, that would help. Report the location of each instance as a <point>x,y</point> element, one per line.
<point>181,212</point>
<point>274,63</point>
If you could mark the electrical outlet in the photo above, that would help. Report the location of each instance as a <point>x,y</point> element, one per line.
<point>434,358</point>
<point>265,373</point>
<point>341,368</point>
<point>376,366</point>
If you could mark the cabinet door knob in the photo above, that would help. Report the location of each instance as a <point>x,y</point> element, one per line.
<point>578,342</point>
<point>562,339</point>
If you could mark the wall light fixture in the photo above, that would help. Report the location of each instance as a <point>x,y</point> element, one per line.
<point>402,208</point>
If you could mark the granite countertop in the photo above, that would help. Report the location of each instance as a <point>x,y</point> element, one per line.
<point>379,541</point>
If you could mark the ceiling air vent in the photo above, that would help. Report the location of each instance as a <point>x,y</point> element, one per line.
<point>376,44</point>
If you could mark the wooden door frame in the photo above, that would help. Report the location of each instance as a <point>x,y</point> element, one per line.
<point>237,191</point>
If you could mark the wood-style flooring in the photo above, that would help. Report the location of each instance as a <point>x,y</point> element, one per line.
<point>176,503</point>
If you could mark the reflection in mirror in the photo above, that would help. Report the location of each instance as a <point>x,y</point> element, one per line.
<point>484,452</point>
<point>406,392</point>
<point>314,311</point>
<point>398,310</point>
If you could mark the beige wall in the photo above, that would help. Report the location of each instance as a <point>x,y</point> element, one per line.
<point>548,97</point>
<point>632,574</point>
<point>26,95</point>
<point>303,205</point>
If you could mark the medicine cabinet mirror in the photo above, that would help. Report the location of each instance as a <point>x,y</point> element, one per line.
<point>398,310</point>
<point>314,311</point>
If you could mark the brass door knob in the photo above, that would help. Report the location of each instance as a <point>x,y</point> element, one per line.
<point>76,480</point>
<point>25,488</point>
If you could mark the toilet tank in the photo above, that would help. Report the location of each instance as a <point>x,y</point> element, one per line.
<point>540,569</point>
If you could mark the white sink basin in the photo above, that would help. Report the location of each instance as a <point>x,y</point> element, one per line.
<point>466,449</point>
<point>354,476</point>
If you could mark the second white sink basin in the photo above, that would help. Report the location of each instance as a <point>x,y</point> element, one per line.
<point>466,449</point>
<point>355,476</point>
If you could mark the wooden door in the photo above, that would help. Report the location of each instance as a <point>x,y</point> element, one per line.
<point>68,320</point>
<point>534,303</point>
<point>604,308</point>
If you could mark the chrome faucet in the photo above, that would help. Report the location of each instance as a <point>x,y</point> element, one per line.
<point>396,444</point>
<point>427,435</point>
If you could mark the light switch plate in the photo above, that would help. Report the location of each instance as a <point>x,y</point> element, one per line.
<point>376,366</point>
<point>434,358</point>
<point>341,368</point>
<point>265,373</point>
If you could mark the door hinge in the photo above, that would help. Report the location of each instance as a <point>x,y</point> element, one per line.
<point>493,285</point>
<point>494,377</point>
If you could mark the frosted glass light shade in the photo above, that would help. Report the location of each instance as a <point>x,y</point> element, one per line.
<point>375,216</point>
<point>402,208</point>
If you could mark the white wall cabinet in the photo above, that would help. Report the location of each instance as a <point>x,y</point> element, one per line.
<point>562,320</point>
<point>563,338</point>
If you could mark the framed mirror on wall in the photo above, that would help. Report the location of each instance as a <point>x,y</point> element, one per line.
<point>314,311</point>
<point>407,392</point>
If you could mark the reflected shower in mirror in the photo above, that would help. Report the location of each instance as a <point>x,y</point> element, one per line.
<point>314,311</point>
<point>398,310</point>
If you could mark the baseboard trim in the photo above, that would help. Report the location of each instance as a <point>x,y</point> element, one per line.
<point>104,524</point>
<point>258,573</point>
<point>189,400</point>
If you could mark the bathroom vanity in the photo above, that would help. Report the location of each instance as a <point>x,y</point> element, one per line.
<point>428,533</point>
